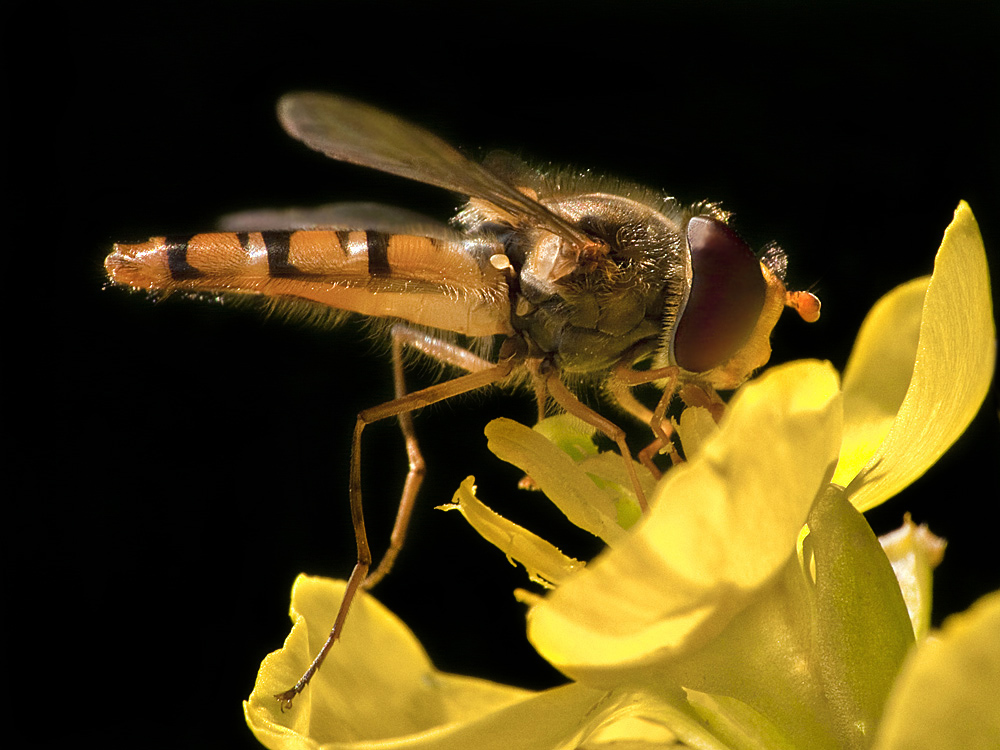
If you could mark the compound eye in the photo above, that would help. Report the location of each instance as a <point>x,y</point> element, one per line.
<point>727,296</point>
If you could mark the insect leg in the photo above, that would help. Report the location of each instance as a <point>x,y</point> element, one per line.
<point>404,404</point>
<point>541,394</point>
<point>564,397</point>
<point>442,351</point>
<point>623,396</point>
<point>541,402</point>
<point>622,379</point>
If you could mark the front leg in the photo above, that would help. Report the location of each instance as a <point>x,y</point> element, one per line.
<point>562,396</point>
<point>623,379</point>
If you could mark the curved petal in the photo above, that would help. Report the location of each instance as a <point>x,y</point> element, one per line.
<point>376,684</point>
<point>878,373</point>
<point>946,693</point>
<point>719,526</point>
<point>953,367</point>
<point>552,454</point>
<point>695,428</point>
<point>545,563</point>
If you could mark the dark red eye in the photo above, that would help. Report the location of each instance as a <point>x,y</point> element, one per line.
<point>727,295</point>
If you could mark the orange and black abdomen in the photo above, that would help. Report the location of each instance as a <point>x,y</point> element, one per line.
<point>446,284</point>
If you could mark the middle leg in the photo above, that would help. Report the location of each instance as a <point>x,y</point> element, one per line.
<point>405,404</point>
<point>447,353</point>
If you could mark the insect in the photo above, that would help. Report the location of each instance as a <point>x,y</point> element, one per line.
<point>546,278</point>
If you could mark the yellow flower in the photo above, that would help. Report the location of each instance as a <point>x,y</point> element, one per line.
<point>752,606</point>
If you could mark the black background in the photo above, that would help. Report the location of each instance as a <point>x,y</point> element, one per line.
<point>175,465</point>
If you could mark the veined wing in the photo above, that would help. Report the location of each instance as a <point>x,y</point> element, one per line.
<point>357,133</point>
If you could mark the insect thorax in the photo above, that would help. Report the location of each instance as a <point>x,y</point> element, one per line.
<point>587,320</point>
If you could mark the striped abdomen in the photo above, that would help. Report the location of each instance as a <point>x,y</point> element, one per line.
<point>430,282</point>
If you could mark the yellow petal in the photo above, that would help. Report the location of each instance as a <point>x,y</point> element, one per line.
<point>878,373</point>
<point>376,684</point>
<point>695,428</point>
<point>946,693</point>
<point>543,561</point>
<point>952,371</point>
<point>562,479</point>
<point>378,691</point>
<point>719,526</point>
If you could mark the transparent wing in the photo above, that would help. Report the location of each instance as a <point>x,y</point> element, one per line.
<point>357,133</point>
<point>377,216</point>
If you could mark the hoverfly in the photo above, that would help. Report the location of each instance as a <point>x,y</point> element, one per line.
<point>571,277</point>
